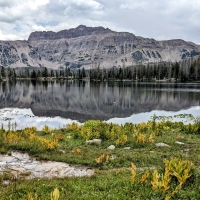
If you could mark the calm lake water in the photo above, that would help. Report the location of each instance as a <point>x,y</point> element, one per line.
<point>80,100</point>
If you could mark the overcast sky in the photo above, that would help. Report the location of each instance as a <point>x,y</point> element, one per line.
<point>158,19</point>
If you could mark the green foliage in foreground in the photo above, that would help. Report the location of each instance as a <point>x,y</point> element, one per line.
<point>103,185</point>
<point>112,179</point>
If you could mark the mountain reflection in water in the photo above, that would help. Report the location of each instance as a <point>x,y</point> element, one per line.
<point>83,100</point>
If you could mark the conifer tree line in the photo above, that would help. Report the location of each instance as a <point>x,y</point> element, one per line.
<point>186,70</point>
<point>11,73</point>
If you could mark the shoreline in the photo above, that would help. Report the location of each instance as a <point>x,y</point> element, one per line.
<point>24,117</point>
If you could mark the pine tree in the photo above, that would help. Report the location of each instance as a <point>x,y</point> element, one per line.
<point>52,73</point>
<point>9,73</point>
<point>57,76</point>
<point>79,74</point>
<point>45,73</point>
<point>38,74</point>
<point>83,73</point>
<point>67,72</point>
<point>33,74</point>
<point>3,74</point>
<point>14,74</point>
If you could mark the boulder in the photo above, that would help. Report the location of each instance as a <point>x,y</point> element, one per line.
<point>113,157</point>
<point>161,144</point>
<point>111,147</point>
<point>62,151</point>
<point>181,143</point>
<point>6,182</point>
<point>94,141</point>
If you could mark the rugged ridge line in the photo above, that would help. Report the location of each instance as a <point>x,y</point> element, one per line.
<point>71,33</point>
<point>90,46</point>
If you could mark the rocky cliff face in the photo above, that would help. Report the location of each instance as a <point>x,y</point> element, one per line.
<point>89,47</point>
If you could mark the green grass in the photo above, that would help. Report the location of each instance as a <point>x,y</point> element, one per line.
<point>107,183</point>
<point>103,185</point>
<point>146,154</point>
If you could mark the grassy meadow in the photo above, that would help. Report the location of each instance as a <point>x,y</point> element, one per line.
<point>141,171</point>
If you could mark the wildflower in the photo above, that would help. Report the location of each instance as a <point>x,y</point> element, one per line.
<point>145,176</point>
<point>30,197</point>
<point>78,151</point>
<point>107,158</point>
<point>133,172</point>
<point>99,160</point>
<point>55,194</point>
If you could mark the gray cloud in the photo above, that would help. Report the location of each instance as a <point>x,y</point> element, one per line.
<point>6,3</point>
<point>166,19</point>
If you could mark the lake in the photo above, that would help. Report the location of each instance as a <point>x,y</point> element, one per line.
<point>84,100</point>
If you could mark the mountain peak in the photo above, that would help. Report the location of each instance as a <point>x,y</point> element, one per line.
<point>79,31</point>
<point>80,27</point>
<point>91,46</point>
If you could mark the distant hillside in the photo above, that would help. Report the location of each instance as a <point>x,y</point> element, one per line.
<point>89,46</point>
